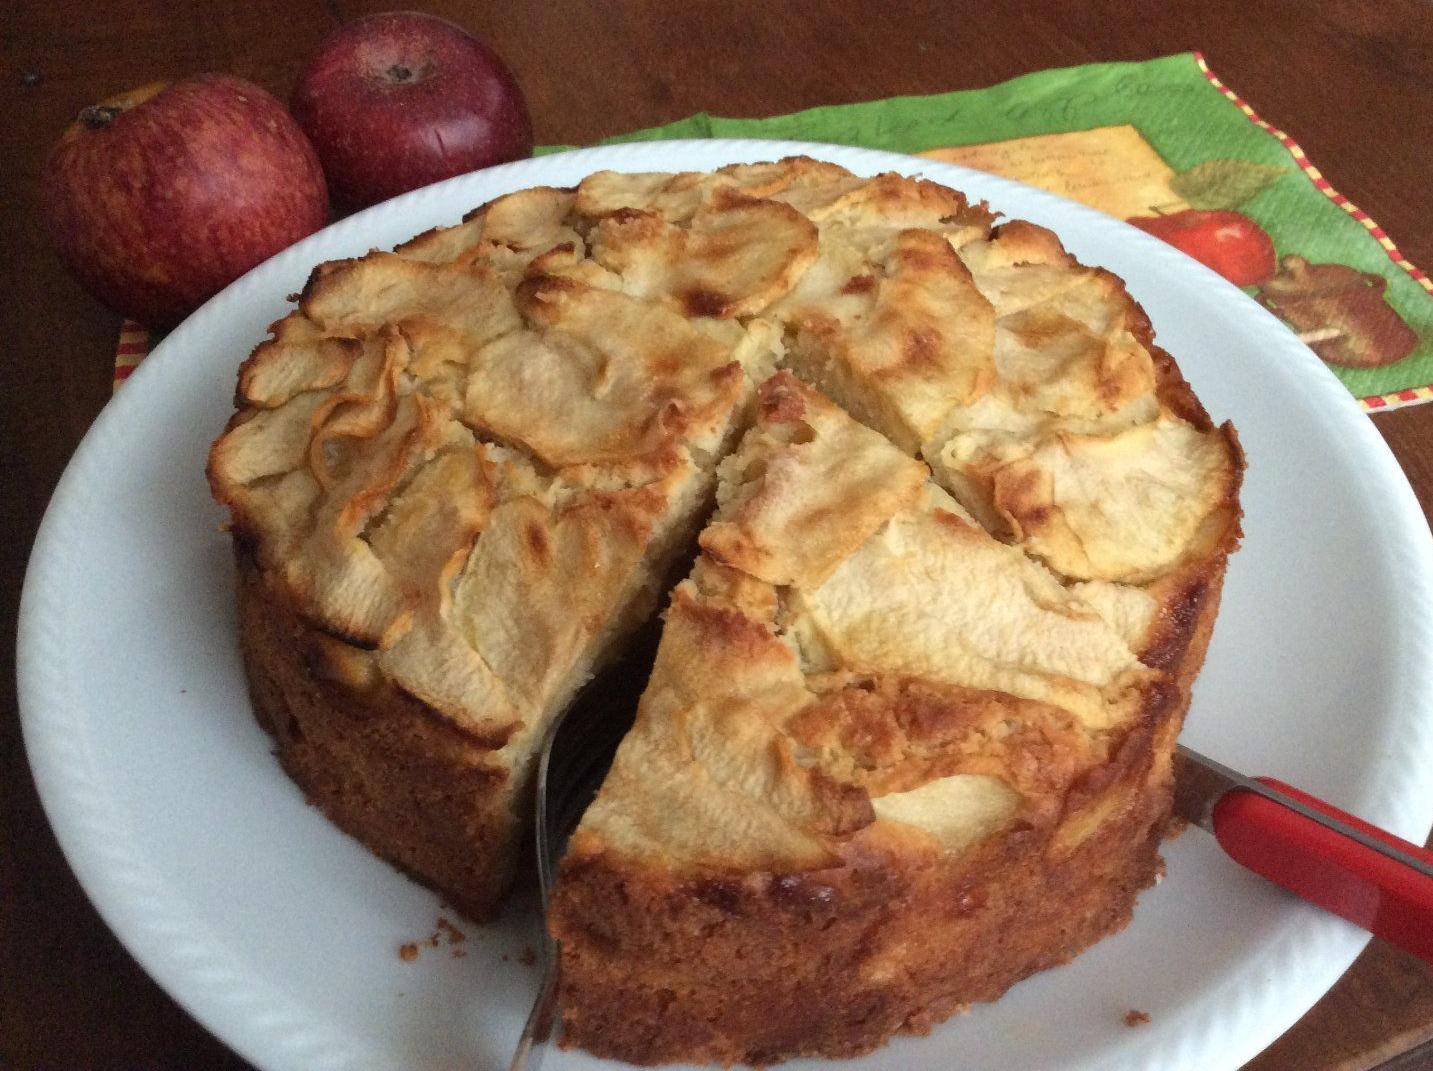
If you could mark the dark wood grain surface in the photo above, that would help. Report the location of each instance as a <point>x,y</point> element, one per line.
<point>1352,81</point>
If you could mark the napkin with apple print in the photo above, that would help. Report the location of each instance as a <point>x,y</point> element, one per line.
<point>1166,146</point>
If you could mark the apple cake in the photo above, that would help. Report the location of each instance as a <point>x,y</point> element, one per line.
<point>908,736</point>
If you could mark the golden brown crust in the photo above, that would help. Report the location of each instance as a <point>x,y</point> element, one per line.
<point>379,764</point>
<point>760,967</point>
<point>835,496</point>
<point>1089,451</point>
<point>891,734</point>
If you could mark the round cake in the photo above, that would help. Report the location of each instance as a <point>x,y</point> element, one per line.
<point>954,532</point>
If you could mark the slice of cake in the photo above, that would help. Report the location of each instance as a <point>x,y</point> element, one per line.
<point>885,766</point>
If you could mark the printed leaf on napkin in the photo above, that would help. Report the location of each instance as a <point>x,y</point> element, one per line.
<point>1223,183</point>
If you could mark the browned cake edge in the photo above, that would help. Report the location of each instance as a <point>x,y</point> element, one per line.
<point>766,967</point>
<point>404,781</point>
<point>755,968</point>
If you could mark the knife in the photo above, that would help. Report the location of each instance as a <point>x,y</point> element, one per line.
<point>1311,848</point>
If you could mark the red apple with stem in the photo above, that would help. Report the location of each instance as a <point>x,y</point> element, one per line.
<point>158,198</point>
<point>398,100</point>
<point>1229,242</point>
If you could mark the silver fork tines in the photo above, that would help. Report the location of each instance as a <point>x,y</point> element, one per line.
<point>576,754</point>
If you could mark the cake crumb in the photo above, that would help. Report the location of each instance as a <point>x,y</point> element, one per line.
<point>1135,1017</point>
<point>528,956</point>
<point>451,933</point>
<point>444,933</point>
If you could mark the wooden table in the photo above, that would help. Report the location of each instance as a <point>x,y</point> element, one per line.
<point>1349,80</point>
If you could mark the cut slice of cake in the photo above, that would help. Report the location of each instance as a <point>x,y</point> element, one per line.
<point>885,766</point>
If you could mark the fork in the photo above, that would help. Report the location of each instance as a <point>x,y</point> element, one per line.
<point>576,754</point>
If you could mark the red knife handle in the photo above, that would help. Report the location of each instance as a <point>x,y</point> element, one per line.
<point>1384,896</point>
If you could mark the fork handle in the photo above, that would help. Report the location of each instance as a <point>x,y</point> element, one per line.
<point>538,1029</point>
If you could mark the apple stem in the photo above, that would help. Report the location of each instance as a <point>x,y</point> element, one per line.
<point>98,116</point>
<point>400,73</point>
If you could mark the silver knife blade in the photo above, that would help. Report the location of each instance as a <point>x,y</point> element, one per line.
<point>1200,782</point>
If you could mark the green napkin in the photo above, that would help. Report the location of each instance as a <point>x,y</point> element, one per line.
<point>1166,143</point>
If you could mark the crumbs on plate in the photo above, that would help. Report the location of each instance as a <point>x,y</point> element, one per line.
<point>444,934</point>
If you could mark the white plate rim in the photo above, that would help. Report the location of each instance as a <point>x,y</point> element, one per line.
<point>1291,972</point>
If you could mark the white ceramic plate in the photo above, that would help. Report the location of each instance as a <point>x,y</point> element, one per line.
<point>281,934</point>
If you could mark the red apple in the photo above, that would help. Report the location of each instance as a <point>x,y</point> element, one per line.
<point>1229,242</point>
<point>158,198</point>
<point>396,101</point>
